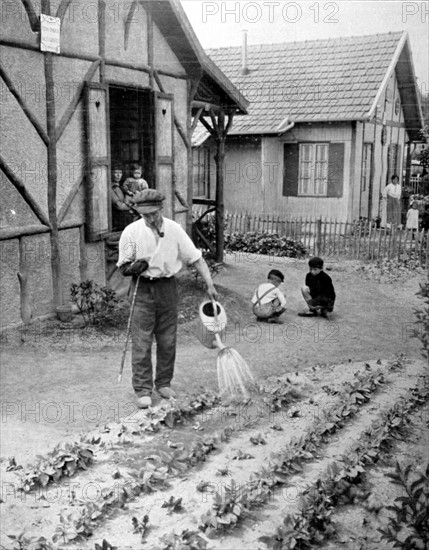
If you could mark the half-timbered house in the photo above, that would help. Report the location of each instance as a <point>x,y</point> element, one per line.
<point>84,84</point>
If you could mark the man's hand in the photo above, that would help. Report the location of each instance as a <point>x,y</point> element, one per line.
<point>136,268</point>
<point>212,292</point>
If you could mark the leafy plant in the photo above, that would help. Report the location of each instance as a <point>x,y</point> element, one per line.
<point>281,395</point>
<point>223,471</point>
<point>422,322</point>
<point>141,526</point>
<point>173,505</point>
<point>240,455</point>
<point>24,542</point>
<point>187,540</point>
<point>258,440</point>
<point>410,511</point>
<point>65,460</point>
<point>226,509</point>
<point>105,546</point>
<point>203,485</point>
<point>96,304</point>
<point>12,465</point>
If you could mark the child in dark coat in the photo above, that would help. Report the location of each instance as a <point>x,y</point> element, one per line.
<point>318,291</point>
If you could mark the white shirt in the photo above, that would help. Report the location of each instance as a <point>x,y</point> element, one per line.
<point>270,296</point>
<point>393,191</point>
<point>165,255</point>
<point>413,218</point>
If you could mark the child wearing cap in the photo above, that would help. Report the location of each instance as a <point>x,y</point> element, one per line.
<point>268,301</point>
<point>318,290</point>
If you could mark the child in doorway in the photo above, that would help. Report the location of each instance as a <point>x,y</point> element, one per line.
<point>413,217</point>
<point>318,291</point>
<point>268,301</point>
<point>135,183</point>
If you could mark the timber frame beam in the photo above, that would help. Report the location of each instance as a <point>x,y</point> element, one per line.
<point>219,130</point>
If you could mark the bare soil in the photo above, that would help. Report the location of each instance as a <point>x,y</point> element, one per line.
<point>60,384</point>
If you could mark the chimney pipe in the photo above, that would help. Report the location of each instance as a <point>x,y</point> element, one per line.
<point>244,68</point>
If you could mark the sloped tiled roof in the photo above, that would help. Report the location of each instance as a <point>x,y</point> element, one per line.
<point>318,80</point>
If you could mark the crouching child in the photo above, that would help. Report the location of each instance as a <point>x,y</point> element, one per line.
<point>268,301</point>
<point>318,291</point>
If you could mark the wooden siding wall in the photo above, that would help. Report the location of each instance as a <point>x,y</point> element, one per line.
<point>109,46</point>
<point>272,149</point>
<point>243,174</point>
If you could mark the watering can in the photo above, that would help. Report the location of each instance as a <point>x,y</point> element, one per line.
<point>212,322</point>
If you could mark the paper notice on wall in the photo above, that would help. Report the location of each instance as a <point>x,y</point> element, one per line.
<point>50,33</point>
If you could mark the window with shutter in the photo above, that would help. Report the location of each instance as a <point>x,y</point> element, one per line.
<point>313,170</point>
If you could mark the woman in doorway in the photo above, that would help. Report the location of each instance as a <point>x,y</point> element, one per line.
<point>392,194</point>
<point>121,202</point>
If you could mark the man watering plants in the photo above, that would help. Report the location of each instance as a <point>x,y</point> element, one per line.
<point>153,250</point>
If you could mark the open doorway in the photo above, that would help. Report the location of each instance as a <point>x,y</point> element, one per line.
<point>131,140</point>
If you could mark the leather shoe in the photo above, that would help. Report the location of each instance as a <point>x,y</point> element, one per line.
<point>307,314</point>
<point>144,401</point>
<point>166,393</point>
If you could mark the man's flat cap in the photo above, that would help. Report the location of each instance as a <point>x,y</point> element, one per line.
<point>148,201</point>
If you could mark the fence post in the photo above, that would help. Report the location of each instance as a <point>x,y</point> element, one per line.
<point>318,241</point>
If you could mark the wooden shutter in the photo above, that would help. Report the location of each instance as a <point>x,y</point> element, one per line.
<point>336,170</point>
<point>97,167</point>
<point>290,169</point>
<point>164,148</point>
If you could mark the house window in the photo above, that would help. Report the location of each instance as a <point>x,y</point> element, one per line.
<point>313,169</point>
<point>201,172</point>
<point>366,166</point>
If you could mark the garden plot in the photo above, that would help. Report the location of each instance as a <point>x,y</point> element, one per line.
<point>359,520</point>
<point>254,456</point>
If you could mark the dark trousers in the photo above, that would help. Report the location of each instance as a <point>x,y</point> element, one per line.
<point>155,317</point>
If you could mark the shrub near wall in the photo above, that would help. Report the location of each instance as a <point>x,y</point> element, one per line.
<point>258,242</point>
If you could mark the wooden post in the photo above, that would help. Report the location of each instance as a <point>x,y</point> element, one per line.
<point>52,168</point>
<point>335,238</point>
<point>318,239</point>
<point>220,181</point>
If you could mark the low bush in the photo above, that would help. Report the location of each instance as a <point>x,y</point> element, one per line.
<point>258,242</point>
<point>95,303</point>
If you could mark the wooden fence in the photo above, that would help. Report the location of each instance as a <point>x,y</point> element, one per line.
<point>332,238</point>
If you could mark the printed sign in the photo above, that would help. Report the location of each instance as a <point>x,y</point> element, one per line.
<point>50,33</point>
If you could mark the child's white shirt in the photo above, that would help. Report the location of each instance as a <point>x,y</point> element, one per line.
<point>270,296</point>
<point>413,218</point>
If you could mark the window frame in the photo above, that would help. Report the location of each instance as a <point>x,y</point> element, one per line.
<point>314,161</point>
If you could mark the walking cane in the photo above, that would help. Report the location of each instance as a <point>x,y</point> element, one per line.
<point>133,301</point>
